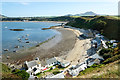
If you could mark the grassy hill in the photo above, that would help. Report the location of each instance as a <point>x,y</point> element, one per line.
<point>7,73</point>
<point>108,26</point>
<point>110,70</point>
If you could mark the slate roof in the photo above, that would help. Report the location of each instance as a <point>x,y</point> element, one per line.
<point>43,63</point>
<point>32,63</point>
<point>61,60</point>
<point>50,61</point>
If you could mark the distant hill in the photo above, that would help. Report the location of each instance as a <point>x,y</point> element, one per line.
<point>89,13</point>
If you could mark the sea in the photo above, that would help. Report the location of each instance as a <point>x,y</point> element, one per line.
<point>33,34</point>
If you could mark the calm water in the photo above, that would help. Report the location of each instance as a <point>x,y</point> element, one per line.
<point>36,35</point>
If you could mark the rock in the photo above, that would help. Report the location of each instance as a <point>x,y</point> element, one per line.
<point>26,38</point>
<point>27,42</point>
<point>16,46</point>
<point>8,57</point>
<point>14,51</point>
<point>5,49</point>
<point>17,29</point>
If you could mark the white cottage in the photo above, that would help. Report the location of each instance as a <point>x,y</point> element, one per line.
<point>75,70</point>
<point>62,62</point>
<point>32,67</point>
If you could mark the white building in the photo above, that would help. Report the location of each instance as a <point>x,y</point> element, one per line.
<point>112,41</point>
<point>94,59</point>
<point>62,62</point>
<point>75,70</point>
<point>33,67</point>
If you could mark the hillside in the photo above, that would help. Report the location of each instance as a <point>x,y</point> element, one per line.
<point>108,26</point>
<point>105,71</point>
<point>7,73</point>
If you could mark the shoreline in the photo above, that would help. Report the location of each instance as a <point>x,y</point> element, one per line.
<point>57,47</point>
<point>38,21</point>
<point>71,48</point>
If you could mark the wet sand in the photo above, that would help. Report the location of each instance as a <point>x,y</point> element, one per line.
<point>58,46</point>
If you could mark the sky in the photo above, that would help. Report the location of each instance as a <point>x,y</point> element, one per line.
<point>33,9</point>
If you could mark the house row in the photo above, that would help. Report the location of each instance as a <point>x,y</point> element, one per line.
<point>36,66</point>
<point>75,70</point>
<point>99,41</point>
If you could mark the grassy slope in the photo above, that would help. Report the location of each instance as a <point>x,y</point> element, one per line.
<point>106,71</point>
<point>111,29</point>
<point>6,72</point>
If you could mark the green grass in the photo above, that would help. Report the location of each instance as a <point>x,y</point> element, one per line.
<point>114,74</point>
<point>109,30</point>
<point>56,72</point>
<point>39,75</point>
<point>7,72</point>
<point>88,70</point>
<point>5,69</point>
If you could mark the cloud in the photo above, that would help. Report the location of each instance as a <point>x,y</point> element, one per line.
<point>24,3</point>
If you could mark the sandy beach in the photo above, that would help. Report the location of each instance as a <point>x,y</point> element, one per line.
<point>67,44</point>
<point>58,46</point>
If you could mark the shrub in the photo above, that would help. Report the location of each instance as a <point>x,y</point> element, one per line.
<point>22,73</point>
<point>114,58</point>
<point>56,72</point>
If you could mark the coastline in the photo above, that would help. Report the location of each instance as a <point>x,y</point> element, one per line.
<point>67,45</point>
<point>37,21</point>
<point>58,46</point>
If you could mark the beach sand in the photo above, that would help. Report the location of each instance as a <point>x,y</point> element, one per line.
<point>58,46</point>
<point>67,44</point>
<point>81,48</point>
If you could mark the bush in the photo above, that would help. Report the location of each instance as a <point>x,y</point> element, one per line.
<point>56,72</point>
<point>114,58</point>
<point>22,73</point>
<point>99,25</point>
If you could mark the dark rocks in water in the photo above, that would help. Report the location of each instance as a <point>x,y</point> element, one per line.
<point>26,38</point>
<point>5,49</point>
<point>22,46</point>
<point>45,28</point>
<point>27,34</point>
<point>8,57</point>
<point>19,39</point>
<point>17,29</point>
<point>37,45</point>
<point>14,51</point>
<point>16,46</point>
<point>23,36</point>
<point>27,42</point>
